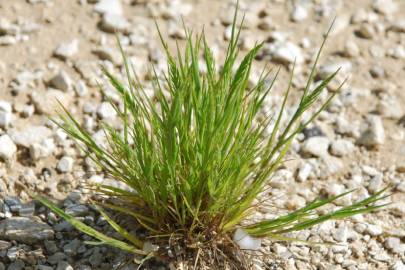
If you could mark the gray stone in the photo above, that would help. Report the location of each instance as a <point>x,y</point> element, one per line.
<point>4,210</point>
<point>65,164</point>
<point>17,265</point>
<point>341,147</point>
<point>25,230</point>
<point>63,226</point>
<point>7,148</point>
<point>315,146</point>
<point>27,209</point>
<point>44,267</point>
<point>50,246</point>
<point>109,6</point>
<point>71,248</point>
<point>13,203</point>
<point>30,135</point>
<point>57,258</point>
<point>112,23</point>
<point>96,258</point>
<point>374,135</point>
<point>12,253</point>
<point>67,50</point>
<point>4,245</point>
<point>77,210</point>
<point>61,81</point>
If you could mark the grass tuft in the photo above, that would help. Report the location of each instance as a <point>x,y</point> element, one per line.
<point>195,159</point>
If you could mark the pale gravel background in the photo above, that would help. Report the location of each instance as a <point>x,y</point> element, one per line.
<point>61,21</point>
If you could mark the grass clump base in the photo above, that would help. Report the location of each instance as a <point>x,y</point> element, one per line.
<point>194,160</point>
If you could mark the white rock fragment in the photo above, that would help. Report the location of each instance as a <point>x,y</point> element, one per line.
<point>89,70</point>
<point>8,28</point>
<point>42,149</point>
<point>341,147</point>
<point>176,9</point>
<point>366,31</point>
<point>385,6</point>
<point>175,31</point>
<point>299,13</point>
<point>67,50</point>
<point>47,103</point>
<point>65,164</point>
<point>375,184</point>
<point>96,179</point>
<point>105,53</point>
<point>351,49</point>
<point>315,146</point>
<point>109,6</point>
<point>81,88</point>
<point>113,22</point>
<point>30,135</point>
<point>106,110</point>
<point>24,80</point>
<point>344,67</point>
<point>7,148</point>
<point>287,53</point>
<point>394,244</point>
<point>6,114</point>
<point>398,26</point>
<point>61,81</point>
<point>374,135</point>
<point>373,230</point>
<point>304,172</point>
<point>331,165</point>
<point>266,24</point>
<point>245,241</point>
<point>341,234</point>
<point>398,266</point>
<point>7,40</point>
<point>340,24</point>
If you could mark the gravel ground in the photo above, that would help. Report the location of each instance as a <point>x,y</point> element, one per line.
<point>53,49</point>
